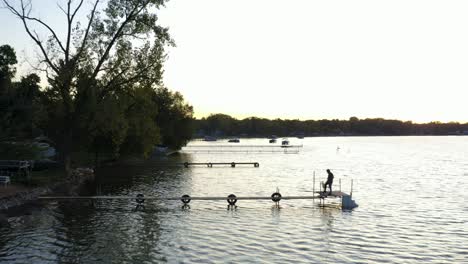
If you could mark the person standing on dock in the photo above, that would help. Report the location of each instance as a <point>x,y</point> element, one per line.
<point>329,182</point>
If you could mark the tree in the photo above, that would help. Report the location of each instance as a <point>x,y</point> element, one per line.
<point>174,117</point>
<point>7,70</point>
<point>20,109</point>
<point>119,48</point>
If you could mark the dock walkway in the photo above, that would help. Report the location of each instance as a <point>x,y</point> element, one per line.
<point>231,199</point>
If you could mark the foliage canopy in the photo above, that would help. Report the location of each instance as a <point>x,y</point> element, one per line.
<point>105,77</point>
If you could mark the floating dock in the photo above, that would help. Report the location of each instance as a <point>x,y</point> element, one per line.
<point>346,201</point>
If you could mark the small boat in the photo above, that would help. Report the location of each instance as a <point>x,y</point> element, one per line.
<point>284,143</point>
<point>234,140</point>
<point>273,140</point>
<point>209,138</point>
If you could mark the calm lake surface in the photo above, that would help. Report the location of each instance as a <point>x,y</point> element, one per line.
<point>412,194</point>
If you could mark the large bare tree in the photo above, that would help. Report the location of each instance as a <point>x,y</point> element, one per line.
<point>117,45</point>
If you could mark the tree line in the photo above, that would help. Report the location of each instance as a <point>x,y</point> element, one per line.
<point>104,92</point>
<point>225,125</point>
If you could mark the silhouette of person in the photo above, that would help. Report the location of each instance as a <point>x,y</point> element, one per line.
<point>329,182</point>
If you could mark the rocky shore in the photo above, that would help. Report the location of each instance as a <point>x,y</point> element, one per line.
<point>69,186</point>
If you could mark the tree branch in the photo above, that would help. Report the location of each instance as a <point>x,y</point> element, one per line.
<point>135,11</point>
<point>76,9</point>
<point>131,79</point>
<point>23,17</point>
<point>88,28</point>
<point>69,25</point>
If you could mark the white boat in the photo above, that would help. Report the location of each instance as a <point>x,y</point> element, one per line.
<point>234,140</point>
<point>209,138</point>
<point>284,142</point>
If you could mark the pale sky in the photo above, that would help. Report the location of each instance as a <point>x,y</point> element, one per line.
<point>309,59</point>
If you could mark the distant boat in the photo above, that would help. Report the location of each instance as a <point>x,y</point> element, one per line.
<point>210,138</point>
<point>273,140</point>
<point>285,142</point>
<point>234,140</point>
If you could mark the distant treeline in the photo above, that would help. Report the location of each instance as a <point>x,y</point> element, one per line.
<point>225,125</point>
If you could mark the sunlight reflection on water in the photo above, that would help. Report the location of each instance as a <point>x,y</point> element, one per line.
<point>411,192</point>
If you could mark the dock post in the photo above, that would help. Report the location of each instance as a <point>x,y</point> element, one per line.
<point>340,184</point>
<point>313,184</point>
<point>351,192</point>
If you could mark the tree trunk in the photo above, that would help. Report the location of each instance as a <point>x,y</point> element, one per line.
<point>67,150</point>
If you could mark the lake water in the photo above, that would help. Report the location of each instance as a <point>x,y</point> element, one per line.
<point>412,194</point>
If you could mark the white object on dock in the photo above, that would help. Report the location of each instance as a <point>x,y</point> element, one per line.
<point>347,202</point>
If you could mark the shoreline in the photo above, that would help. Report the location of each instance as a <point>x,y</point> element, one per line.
<point>19,196</point>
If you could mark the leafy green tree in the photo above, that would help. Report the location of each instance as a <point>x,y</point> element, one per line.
<point>174,117</point>
<point>7,69</point>
<point>143,133</point>
<point>19,101</point>
<point>119,45</point>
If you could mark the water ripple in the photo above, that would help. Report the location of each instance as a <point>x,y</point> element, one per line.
<point>411,192</point>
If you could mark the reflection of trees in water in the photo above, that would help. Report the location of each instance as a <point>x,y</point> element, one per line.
<point>156,174</point>
<point>106,233</point>
<point>77,231</point>
<point>23,237</point>
<point>109,235</point>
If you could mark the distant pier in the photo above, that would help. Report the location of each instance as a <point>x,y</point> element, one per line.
<point>223,148</point>
<point>210,164</point>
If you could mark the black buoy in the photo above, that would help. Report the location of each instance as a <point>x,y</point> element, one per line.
<point>139,198</point>
<point>185,199</point>
<point>186,164</point>
<point>231,199</point>
<point>276,197</point>
<point>256,164</point>
<point>233,164</point>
